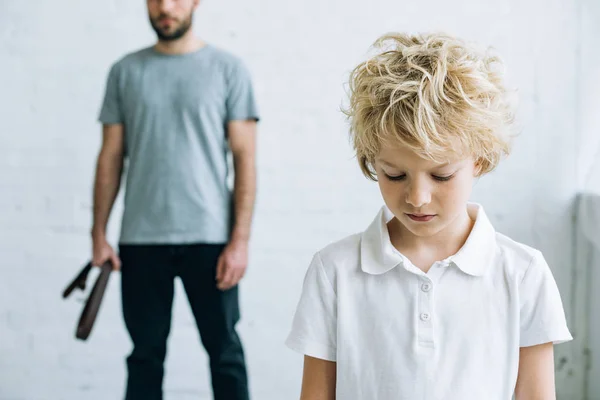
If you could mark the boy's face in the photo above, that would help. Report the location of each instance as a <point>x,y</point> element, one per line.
<point>424,196</point>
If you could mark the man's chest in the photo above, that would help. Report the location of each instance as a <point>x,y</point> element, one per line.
<point>156,91</point>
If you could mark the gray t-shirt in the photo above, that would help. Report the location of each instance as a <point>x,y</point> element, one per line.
<point>175,110</point>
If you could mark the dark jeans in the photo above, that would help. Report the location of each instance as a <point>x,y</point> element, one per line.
<point>147,285</point>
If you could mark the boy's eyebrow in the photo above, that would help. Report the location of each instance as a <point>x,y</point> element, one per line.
<point>389,164</point>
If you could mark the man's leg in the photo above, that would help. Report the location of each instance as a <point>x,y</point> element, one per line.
<point>216,314</point>
<point>147,290</point>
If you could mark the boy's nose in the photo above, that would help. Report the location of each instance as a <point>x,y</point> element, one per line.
<point>418,196</point>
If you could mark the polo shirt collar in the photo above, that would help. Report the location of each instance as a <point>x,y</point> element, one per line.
<point>378,255</point>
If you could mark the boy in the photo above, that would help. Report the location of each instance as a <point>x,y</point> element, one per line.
<point>429,302</point>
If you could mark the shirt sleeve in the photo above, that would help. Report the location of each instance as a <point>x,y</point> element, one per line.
<point>111,111</point>
<point>542,314</point>
<point>241,103</point>
<point>314,328</point>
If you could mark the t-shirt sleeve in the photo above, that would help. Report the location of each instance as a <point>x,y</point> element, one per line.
<point>542,315</point>
<point>241,103</point>
<point>314,328</point>
<point>111,111</point>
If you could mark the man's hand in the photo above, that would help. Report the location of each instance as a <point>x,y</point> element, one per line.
<point>232,263</point>
<point>104,252</point>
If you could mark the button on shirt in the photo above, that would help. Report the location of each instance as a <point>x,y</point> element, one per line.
<point>452,333</point>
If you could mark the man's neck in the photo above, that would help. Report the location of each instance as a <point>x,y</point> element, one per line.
<point>188,43</point>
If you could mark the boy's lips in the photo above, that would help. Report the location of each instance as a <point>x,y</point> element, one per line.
<point>421,217</point>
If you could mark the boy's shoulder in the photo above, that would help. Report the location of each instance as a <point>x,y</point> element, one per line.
<point>341,256</point>
<point>515,255</point>
<point>343,250</point>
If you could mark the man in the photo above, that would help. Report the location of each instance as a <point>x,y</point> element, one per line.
<point>174,112</point>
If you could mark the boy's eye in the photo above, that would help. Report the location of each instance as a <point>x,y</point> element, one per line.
<point>403,176</point>
<point>395,178</point>
<point>442,178</point>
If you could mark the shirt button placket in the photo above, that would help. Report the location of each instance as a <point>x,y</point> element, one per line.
<point>425,329</point>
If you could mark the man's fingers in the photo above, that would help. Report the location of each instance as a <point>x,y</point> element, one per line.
<point>238,276</point>
<point>98,261</point>
<point>233,278</point>
<point>116,262</point>
<point>220,269</point>
<point>242,273</point>
<point>228,277</point>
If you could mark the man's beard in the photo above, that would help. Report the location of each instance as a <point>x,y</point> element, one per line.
<point>174,35</point>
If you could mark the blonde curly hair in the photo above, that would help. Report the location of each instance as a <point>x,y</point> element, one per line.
<point>434,93</point>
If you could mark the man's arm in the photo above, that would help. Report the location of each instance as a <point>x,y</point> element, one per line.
<point>242,141</point>
<point>106,187</point>
<point>232,263</point>
<point>318,379</point>
<point>536,373</point>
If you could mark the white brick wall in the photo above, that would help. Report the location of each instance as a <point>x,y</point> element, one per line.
<point>54,60</point>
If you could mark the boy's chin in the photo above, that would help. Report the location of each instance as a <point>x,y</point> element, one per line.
<point>422,229</point>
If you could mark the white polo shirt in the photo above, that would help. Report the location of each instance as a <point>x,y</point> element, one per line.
<point>450,334</point>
